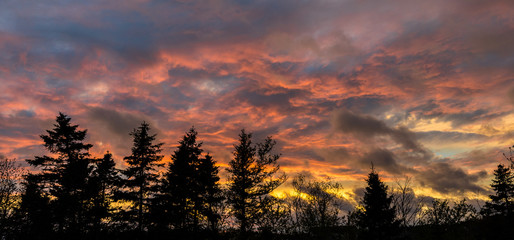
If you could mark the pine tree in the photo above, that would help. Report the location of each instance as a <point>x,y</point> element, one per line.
<point>104,182</point>
<point>65,177</point>
<point>210,191</point>
<point>190,188</point>
<point>377,219</point>
<point>34,211</point>
<point>141,176</point>
<point>179,189</point>
<point>502,202</point>
<point>251,177</point>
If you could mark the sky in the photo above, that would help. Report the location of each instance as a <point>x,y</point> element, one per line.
<point>418,88</point>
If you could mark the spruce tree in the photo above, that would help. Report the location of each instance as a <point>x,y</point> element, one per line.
<point>210,191</point>
<point>64,178</point>
<point>104,182</point>
<point>252,172</point>
<point>502,202</point>
<point>190,188</point>
<point>34,211</point>
<point>141,175</point>
<point>377,219</point>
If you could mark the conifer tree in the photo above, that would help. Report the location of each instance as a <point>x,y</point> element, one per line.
<point>190,189</point>
<point>65,177</point>
<point>210,192</point>
<point>502,202</point>
<point>141,175</point>
<point>252,172</point>
<point>377,219</point>
<point>34,211</point>
<point>104,182</point>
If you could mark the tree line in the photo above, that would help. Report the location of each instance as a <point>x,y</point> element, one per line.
<point>75,195</point>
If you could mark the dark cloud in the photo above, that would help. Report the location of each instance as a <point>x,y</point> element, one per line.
<point>368,127</point>
<point>140,104</point>
<point>118,123</point>
<point>382,159</point>
<point>276,98</point>
<point>446,178</point>
<point>369,104</point>
<point>385,160</point>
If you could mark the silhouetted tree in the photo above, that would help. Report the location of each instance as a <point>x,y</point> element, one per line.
<point>34,212</point>
<point>141,175</point>
<point>406,204</point>
<point>9,172</point>
<point>503,186</point>
<point>190,188</point>
<point>274,216</point>
<point>377,215</point>
<point>65,177</point>
<point>181,186</point>
<point>441,213</point>
<point>251,177</point>
<point>316,206</point>
<point>211,195</point>
<point>104,182</point>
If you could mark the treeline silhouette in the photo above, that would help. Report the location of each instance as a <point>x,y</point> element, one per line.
<point>76,196</point>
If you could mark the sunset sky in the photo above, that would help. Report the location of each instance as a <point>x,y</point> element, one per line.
<point>419,88</point>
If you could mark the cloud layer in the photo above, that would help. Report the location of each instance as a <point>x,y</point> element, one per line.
<point>422,88</point>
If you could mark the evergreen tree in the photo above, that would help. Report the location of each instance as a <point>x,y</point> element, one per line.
<point>141,175</point>
<point>65,177</point>
<point>377,217</point>
<point>35,213</point>
<point>210,192</point>
<point>181,183</point>
<point>251,177</point>
<point>104,183</point>
<point>503,186</point>
<point>190,188</point>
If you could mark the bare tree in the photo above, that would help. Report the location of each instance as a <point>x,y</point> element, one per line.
<point>408,206</point>
<point>9,173</point>
<point>316,206</point>
<point>442,213</point>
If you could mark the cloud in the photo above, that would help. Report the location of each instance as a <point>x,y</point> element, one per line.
<point>118,123</point>
<point>413,77</point>
<point>510,95</point>
<point>446,178</point>
<point>369,127</point>
<point>448,137</point>
<point>386,160</point>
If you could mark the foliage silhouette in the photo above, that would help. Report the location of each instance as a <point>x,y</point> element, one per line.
<point>9,172</point>
<point>65,178</point>
<point>252,172</point>
<point>190,190</point>
<point>35,212</point>
<point>141,177</point>
<point>376,218</point>
<point>503,186</point>
<point>73,195</point>
<point>316,206</point>
<point>407,205</point>
<point>105,181</point>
